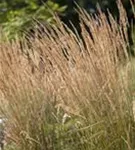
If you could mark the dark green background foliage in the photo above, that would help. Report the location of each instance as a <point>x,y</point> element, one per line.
<point>18,15</point>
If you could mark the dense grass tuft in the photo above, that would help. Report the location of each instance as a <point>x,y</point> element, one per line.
<point>66,92</point>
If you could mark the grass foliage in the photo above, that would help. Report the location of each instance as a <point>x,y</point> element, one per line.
<point>70,93</point>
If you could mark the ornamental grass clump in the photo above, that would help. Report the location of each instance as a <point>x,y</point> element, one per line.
<point>64,91</point>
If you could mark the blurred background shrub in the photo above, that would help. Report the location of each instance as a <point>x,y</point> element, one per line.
<point>18,15</point>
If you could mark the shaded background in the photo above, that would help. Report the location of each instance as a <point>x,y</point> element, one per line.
<point>17,16</point>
